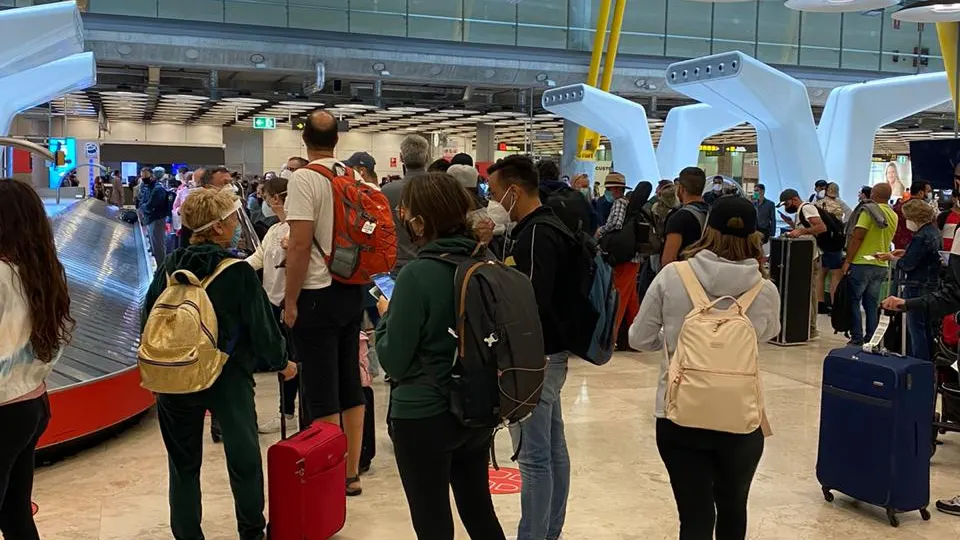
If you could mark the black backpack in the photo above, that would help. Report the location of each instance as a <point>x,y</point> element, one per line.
<point>841,312</point>
<point>573,209</point>
<point>834,238</point>
<point>500,364</point>
<point>639,232</point>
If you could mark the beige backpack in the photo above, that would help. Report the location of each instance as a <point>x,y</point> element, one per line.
<point>714,375</point>
<point>178,349</point>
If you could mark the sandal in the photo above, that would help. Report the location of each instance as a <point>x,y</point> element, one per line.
<point>353,492</point>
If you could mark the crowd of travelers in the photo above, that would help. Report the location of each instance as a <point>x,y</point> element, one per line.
<point>305,313</point>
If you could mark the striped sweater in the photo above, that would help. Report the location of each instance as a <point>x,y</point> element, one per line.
<point>22,375</point>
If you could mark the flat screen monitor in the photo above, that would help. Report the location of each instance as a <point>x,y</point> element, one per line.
<point>934,161</point>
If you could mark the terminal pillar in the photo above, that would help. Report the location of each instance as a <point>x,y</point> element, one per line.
<point>486,143</point>
<point>571,166</point>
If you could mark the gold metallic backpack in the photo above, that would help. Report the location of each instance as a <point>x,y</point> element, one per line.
<point>178,349</point>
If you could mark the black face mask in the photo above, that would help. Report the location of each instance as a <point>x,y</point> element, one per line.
<point>791,209</point>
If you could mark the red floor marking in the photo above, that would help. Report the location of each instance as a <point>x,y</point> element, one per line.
<point>506,481</point>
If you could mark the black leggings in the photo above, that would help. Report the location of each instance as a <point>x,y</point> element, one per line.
<point>435,454</point>
<point>710,473</point>
<point>23,423</point>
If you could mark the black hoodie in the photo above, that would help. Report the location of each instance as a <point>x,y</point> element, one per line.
<point>247,328</point>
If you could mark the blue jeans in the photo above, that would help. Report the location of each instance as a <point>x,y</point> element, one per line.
<point>918,328</point>
<point>543,458</point>
<point>865,283</point>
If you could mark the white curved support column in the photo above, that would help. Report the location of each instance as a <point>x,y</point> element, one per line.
<point>33,36</point>
<point>622,121</point>
<point>685,130</point>
<point>855,112</point>
<point>37,85</point>
<point>776,104</point>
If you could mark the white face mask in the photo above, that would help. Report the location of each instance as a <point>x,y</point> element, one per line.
<point>912,226</point>
<point>821,194</point>
<point>717,188</point>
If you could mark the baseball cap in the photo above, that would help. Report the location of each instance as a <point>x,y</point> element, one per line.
<point>786,195</point>
<point>734,216</point>
<point>361,159</point>
<point>465,174</point>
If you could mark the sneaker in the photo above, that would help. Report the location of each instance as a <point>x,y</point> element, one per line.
<point>949,506</point>
<point>273,425</point>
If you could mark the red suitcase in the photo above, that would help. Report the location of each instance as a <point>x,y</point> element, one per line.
<point>306,475</point>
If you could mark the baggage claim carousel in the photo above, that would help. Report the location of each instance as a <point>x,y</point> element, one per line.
<point>96,386</point>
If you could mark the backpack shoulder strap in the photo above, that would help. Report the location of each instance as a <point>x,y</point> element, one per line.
<point>692,284</point>
<point>188,275</point>
<point>223,265</point>
<point>330,174</point>
<point>697,213</point>
<point>747,298</point>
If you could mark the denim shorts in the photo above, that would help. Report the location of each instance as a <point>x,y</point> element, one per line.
<point>832,260</point>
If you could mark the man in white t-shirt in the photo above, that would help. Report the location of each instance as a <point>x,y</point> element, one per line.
<point>807,214</point>
<point>323,314</point>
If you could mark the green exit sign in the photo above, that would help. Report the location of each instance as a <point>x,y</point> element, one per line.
<point>264,122</point>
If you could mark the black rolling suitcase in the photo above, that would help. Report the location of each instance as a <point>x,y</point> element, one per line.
<point>791,268</point>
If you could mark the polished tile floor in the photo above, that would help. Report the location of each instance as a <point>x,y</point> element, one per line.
<point>117,490</point>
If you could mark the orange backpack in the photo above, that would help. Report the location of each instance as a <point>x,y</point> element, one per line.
<point>364,236</point>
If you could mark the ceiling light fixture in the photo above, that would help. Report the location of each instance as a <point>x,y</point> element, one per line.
<point>839,6</point>
<point>929,11</point>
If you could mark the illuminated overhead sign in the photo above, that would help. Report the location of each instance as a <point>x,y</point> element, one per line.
<point>264,122</point>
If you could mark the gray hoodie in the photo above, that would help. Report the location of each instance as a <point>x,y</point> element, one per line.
<point>667,304</point>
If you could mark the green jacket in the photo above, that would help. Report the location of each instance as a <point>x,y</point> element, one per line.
<point>417,332</point>
<point>247,328</point>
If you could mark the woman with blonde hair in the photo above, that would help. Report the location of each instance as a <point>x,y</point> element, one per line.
<point>249,334</point>
<point>918,268</point>
<point>892,175</point>
<point>710,471</point>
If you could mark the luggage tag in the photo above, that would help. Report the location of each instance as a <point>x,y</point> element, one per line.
<point>875,345</point>
<point>368,227</point>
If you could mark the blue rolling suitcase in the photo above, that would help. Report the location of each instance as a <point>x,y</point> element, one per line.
<point>876,416</point>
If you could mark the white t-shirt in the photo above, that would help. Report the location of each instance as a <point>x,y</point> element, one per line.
<point>809,210</point>
<point>310,198</point>
<point>268,256</point>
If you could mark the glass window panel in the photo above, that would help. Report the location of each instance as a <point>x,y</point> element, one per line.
<point>643,30</point>
<point>688,28</point>
<point>582,17</point>
<point>820,39</point>
<point>319,15</point>
<point>899,40</point>
<point>778,33</point>
<point>489,21</point>
<point>259,12</point>
<point>194,10</point>
<point>542,23</point>
<point>861,40</point>
<point>381,17</point>
<point>930,49</point>
<point>431,19</point>
<point>145,8</point>
<point>735,27</point>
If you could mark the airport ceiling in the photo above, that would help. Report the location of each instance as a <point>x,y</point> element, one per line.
<point>226,99</point>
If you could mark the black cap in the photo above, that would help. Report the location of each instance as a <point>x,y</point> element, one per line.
<point>735,216</point>
<point>786,195</point>
<point>361,159</point>
<point>820,183</point>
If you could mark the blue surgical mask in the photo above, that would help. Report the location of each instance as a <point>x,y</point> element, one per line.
<point>237,234</point>
<point>268,211</point>
<point>608,196</point>
<point>586,192</point>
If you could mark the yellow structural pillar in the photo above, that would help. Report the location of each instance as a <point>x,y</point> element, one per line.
<point>583,134</point>
<point>948,32</point>
<point>612,47</point>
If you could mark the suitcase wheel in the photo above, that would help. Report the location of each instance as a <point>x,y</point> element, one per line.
<point>892,517</point>
<point>827,495</point>
<point>925,514</point>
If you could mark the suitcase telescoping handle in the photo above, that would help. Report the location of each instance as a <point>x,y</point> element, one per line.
<point>283,416</point>
<point>875,344</point>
